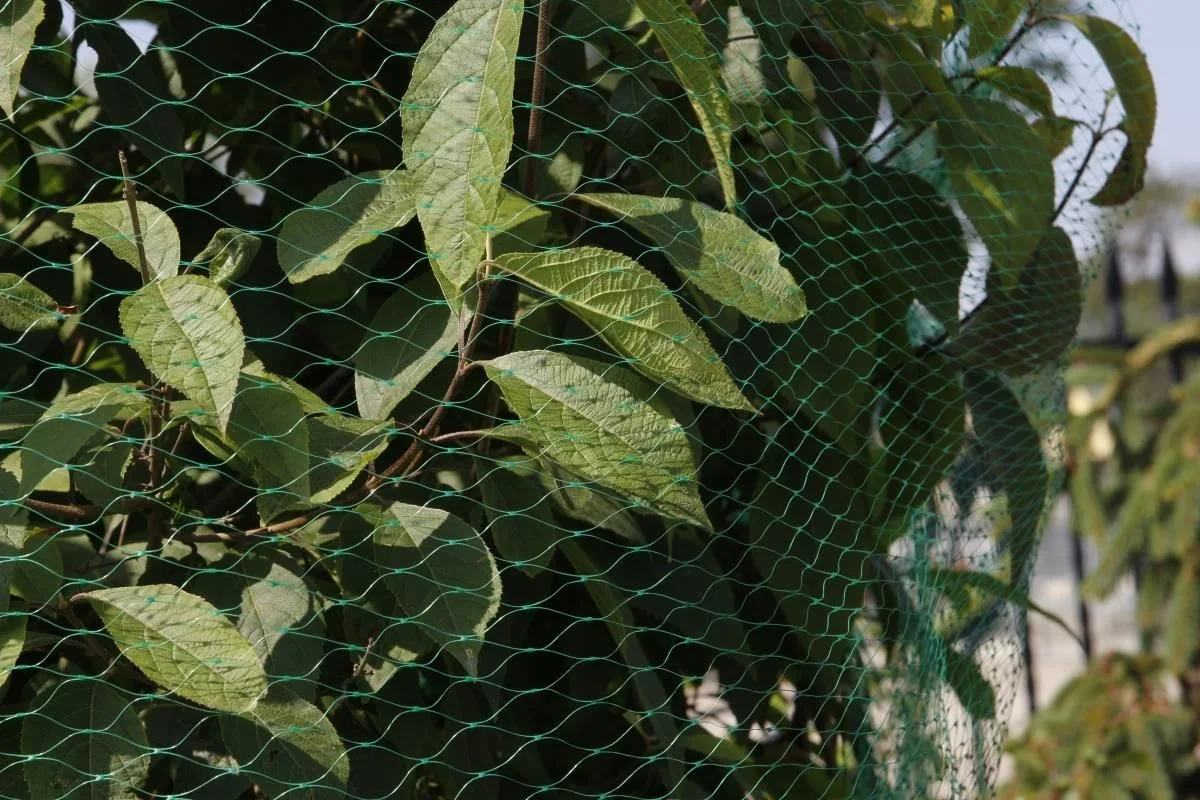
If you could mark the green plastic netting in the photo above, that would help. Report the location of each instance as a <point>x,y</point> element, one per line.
<point>577,399</point>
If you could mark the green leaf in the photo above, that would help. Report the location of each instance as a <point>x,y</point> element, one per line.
<point>1134,82</point>
<point>1012,454</point>
<point>1004,180</point>
<point>18,23</point>
<point>973,690</point>
<point>1057,133</point>
<point>13,521</point>
<point>69,424</point>
<point>723,256</point>
<point>183,644</point>
<point>341,447</point>
<point>316,238</point>
<point>602,423</point>
<point>99,472</point>
<point>697,66</point>
<point>278,618</point>
<point>923,427</point>
<point>12,642</point>
<point>458,131</point>
<point>522,525</point>
<point>134,96</point>
<point>1021,84</point>
<point>289,748</point>
<point>187,332</point>
<point>40,572</point>
<point>442,574</point>
<point>906,223</point>
<point>1021,330</point>
<point>87,741</point>
<point>25,307</point>
<point>520,224</point>
<point>587,502</point>
<point>1182,624</point>
<point>228,255</point>
<point>267,427</point>
<point>112,224</point>
<point>412,333</point>
<point>990,22</point>
<point>636,314</point>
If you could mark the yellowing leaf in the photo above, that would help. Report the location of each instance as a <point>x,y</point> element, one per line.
<point>636,314</point>
<point>458,131</point>
<point>183,644</point>
<point>724,257</point>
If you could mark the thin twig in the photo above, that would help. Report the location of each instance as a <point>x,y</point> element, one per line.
<point>1087,157</point>
<point>158,410</point>
<point>533,139</point>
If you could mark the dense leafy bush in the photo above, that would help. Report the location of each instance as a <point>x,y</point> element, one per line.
<point>355,448</point>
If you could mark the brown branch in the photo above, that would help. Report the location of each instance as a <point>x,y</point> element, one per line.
<point>533,139</point>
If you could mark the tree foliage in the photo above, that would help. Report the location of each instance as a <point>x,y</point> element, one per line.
<point>449,489</point>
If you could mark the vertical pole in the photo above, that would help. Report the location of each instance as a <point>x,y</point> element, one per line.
<point>1170,297</point>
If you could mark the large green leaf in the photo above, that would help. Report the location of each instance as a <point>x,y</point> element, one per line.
<point>99,471</point>
<point>412,332</point>
<point>1012,454</point>
<point>317,238</point>
<point>723,256</point>
<point>990,22</point>
<point>134,96</point>
<point>915,234</point>
<point>636,314</point>
<point>289,748</point>
<point>1004,180</point>
<point>19,20</point>
<point>697,66</point>
<point>602,423</point>
<point>183,644</point>
<point>1135,85</point>
<point>69,424</point>
<point>187,332</point>
<point>268,428</point>
<point>112,224</point>
<point>458,131</point>
<point>87,741</point>
<point>522,525</point>
<point>1019,331</point>
<point>278,618</point>
<point>25,307</point>
<point>442,574</point>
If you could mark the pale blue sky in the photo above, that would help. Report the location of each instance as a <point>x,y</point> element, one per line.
<point>1169,32</point>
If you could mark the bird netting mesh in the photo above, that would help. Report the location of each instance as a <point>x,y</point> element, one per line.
<point>568,399</point>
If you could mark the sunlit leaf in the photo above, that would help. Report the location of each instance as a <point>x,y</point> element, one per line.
<point>18,23</point>
<point>636,314</point>
<point>458,131</point>
<point>183,644</point>
<point>25,307</point>
<point>112,224</point>
<point>187,332</point>
<point>722,255</point>
<point>602,423</point>
<point>317,238</point>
